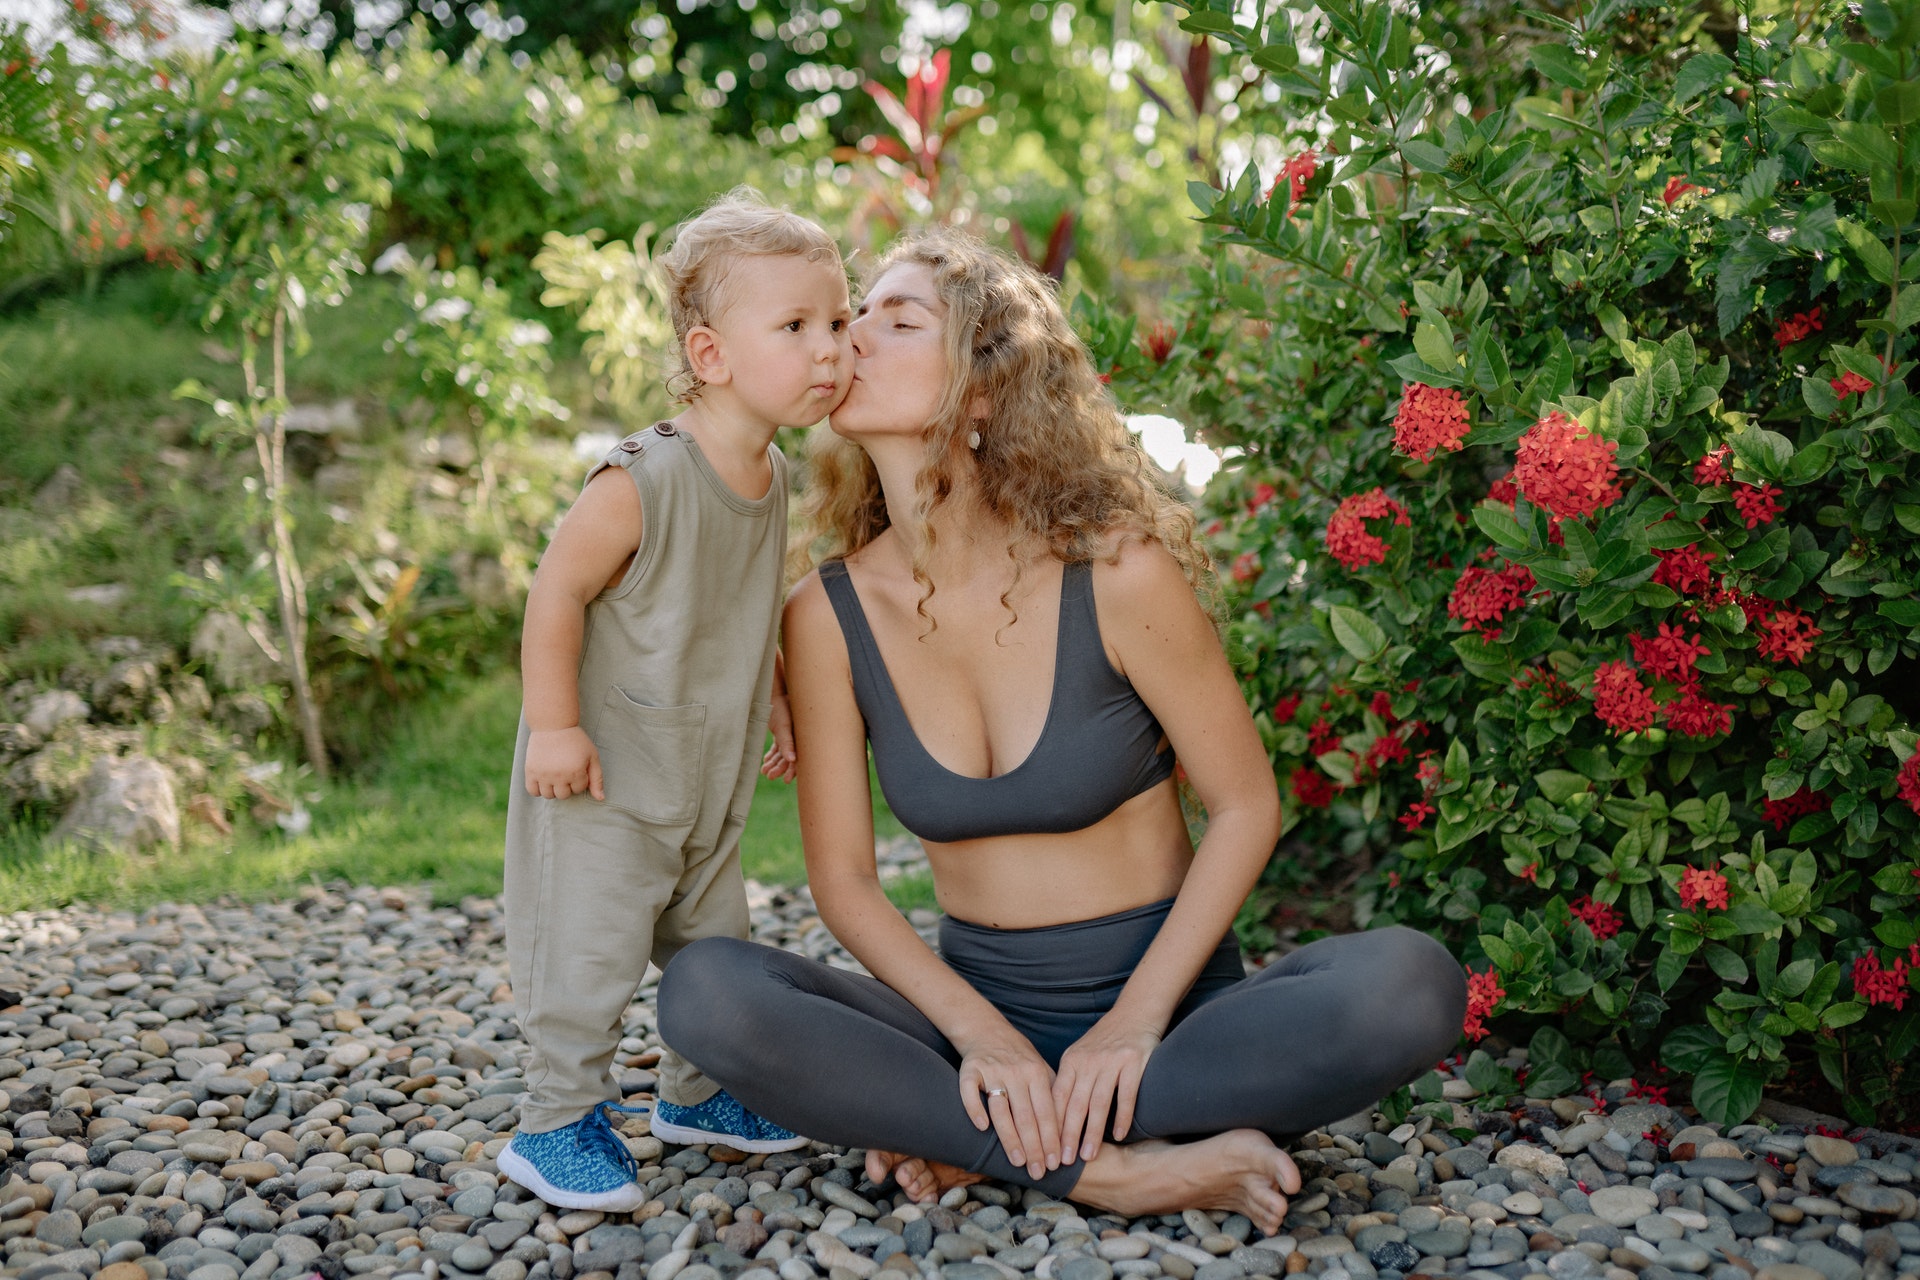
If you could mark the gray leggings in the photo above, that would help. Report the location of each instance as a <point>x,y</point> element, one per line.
<point>843,1058</point>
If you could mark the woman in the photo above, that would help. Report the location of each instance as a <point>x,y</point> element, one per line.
<point>1015,626</point>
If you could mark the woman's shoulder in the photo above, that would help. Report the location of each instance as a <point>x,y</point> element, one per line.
<point>1137,570</point>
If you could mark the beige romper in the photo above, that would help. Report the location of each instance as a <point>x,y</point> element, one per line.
<point>676,672</point>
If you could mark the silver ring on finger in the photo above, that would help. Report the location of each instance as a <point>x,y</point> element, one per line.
<point>996,1093</point>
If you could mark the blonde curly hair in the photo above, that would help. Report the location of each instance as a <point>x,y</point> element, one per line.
<point>1055,460</point>
<point>739,224</point>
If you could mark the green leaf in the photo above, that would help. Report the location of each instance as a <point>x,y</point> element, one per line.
<point>1207,21</point>
<point>1358,634</point>
<point>1726,1089</point>
<point>1548,1045</point>
<point>1561,64</point>
<point>1844,1014</point>
<point>1204,196</point>
<point>1497,522</point>
<point>1795,978</point>
<point>1551,1079</point>
<point>1702,72</point>
<point>1726,963</point>
<point>1435,347</point>
<point>1898,932</point>
<point>1559,786</point>
<point>1691,1047</point>
<point>1425,156</point>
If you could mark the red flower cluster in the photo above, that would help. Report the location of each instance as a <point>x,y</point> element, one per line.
<point>1482,598</point>
<point>1430,419</point>
<point>1670,654</point>
<point>1712,469</point>
<point>1794,328</point>
<point>1386,749</point>
<point>1782,813</point>
<point>1758,504</point>
<point>1546,686</point>
<point>1246,566</point>
<point>1503,490</point>
<point>1848,383</point>
<point>1348,540</point>
<point>1876,985</point>
<point>1620,700</point>
<point>1694,716</point>
<point>1787,635</point>
<point>1283,709</point>
<point>1598,916</point>
<point>1157,342</point>
<point>1703,887</point>
<point>1417,813</point>
<point>1312,788</point>
<point>1908,780</point>
<point>1677,187</point>
<point>1263,493</point>
<point>1566,469</point>
<point>1296,172</point>
<point>1685,569</point>
<point>1484,994</point>
<point>1322,737</point>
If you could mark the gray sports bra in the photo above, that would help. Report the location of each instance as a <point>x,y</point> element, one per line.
<point>1098,747</point>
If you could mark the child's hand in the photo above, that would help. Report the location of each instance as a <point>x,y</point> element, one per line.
<point>562,763</point>
<point>781,762</point>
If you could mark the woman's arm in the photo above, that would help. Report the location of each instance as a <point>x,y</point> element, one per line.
<point>836,828</point>
<point>1163,643</point>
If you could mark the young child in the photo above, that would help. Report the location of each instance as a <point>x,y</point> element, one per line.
<point>648,661</point>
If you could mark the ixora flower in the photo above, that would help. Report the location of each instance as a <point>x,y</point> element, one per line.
<point>1503,490</point>
<point>1312,788</point>
<point>1758,504</point>
<point>1678,186</point>
<point>1908,781</point>
<point>1795,328</point>
<point>1781,813</point>
<point>1484,994</point>
<point>1712,469</point>
<point>1620,700</point>
<point>1566,469</point>
<point>1848,383</point>
<point>1669,654</point>
<point>1686,569</point>
<point>1598,916</point>
<point>1430,419</point>
<point>1482,598</point>
<point>1348,539</point>
<point>1703,887</point>
<point>1787,635</point>
<point>1876,985</point>
<point>1284,708</point>
<point>1695,717</point>
<point>1296,172</point>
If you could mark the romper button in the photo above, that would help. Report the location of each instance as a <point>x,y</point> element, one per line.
<point>665,428</point>
<point>630,446</point>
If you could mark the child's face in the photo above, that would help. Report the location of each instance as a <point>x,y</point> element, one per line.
<point>788,354</point>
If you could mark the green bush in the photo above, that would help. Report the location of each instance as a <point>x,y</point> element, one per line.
<point>1574,552</point>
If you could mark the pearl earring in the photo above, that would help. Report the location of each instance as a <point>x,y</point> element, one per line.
<point>973,439</point>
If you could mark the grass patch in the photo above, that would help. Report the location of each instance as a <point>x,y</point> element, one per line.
<point>431,811</point>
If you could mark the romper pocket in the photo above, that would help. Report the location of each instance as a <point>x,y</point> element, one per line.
<point>750,771</point>
<point>651,758</point>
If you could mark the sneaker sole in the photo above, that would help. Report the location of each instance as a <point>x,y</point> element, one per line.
<point>622,1199</point>
<point>687,1136</point>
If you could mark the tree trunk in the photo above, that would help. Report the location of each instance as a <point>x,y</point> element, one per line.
<point>270,439</point>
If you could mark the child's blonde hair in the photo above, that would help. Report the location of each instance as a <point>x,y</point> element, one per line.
<point>740,224</point>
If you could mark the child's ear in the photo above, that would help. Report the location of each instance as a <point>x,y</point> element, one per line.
<point>706,357</point>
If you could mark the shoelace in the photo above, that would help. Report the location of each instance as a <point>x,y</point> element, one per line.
<point>597,1136</point>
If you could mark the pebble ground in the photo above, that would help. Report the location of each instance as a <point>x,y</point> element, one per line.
<point>321,1086</point>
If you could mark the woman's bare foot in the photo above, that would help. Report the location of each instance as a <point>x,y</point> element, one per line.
<point>1240,1171</point>
<point>923,1181</point>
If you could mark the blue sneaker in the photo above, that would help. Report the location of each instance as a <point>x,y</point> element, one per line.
<point>583,1165</point>
<point>721,1118</point>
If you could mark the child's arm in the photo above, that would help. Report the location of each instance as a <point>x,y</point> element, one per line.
<point>780,762</point>
<point>589,552</point>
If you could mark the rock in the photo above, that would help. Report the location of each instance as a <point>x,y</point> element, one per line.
<point>124,803</point>
<point>1622,1206</point>
<point>235,660</point>
<point>1869,1198</point>
<point>1831,1151</point>
<point>52,709</point>
<point>1537,1161</point>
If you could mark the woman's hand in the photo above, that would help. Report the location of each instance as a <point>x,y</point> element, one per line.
<point>781,762</point>
<point>1006,1084</point>
<point>1100,1074</point>
<point>562,763</point>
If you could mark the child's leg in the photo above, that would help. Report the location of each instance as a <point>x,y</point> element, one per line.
<point>709,901</point>
<point>584,884</point>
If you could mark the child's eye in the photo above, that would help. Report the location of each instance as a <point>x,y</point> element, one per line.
<point>839,325</point>
<point>793,326</point>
